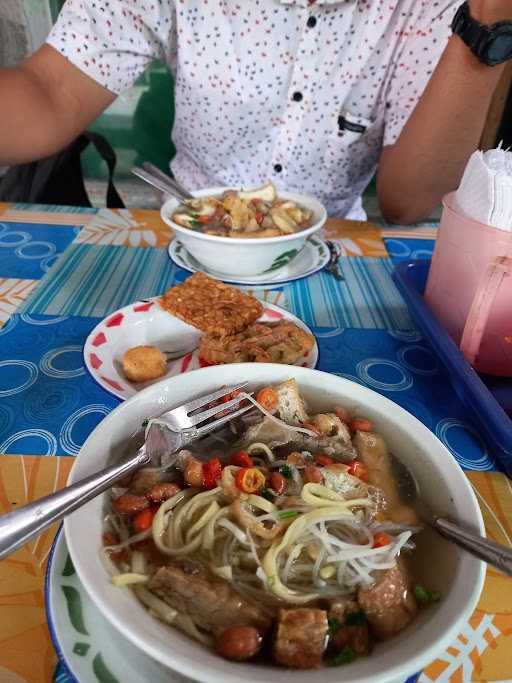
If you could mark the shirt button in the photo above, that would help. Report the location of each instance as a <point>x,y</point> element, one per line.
<point>278,168</point>
<point>297,97</point>
<point>311,22</point>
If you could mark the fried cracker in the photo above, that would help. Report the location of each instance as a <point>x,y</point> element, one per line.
<point>281,342</point>
<point>211,306</point>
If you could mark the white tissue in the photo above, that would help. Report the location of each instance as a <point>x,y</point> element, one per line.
<point>485,191</point>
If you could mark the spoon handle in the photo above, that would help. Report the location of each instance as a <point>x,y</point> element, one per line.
<point>493,553</point>
<point>19,526</point>
<point>170,182</point>
<point>158,183</point>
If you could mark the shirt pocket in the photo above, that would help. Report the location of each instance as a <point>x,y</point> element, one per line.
<point>346,148</point>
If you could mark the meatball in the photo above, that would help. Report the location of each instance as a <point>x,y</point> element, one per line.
<point>143,363</point>
<point>239,643</point>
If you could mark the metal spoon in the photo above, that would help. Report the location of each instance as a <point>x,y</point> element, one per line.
<point>171,182</point>
<point>158,183</point>
<point>493,553</point>
<point>178,353</point>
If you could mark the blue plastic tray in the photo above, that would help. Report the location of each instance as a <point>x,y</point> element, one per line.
<point>488,399</point>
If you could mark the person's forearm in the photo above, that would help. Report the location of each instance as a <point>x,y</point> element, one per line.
<point>430,155</point>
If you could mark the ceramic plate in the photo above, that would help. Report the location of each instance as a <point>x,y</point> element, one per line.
<point>313,257</point>
<point>145,322</point>
<point>89,648</point>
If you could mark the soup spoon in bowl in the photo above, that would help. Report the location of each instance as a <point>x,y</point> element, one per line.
<point>497,555</point>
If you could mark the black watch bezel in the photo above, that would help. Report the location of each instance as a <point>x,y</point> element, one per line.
<point>479,37</point>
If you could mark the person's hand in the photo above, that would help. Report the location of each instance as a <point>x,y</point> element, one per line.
<point>490,11</point>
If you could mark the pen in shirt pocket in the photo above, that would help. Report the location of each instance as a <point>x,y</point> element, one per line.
<point>351,124</point>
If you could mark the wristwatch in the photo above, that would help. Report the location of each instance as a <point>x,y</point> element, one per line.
<point>491,44</point>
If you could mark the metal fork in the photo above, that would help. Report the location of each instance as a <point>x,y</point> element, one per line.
<point>333,265</point>
<point>168,434</point>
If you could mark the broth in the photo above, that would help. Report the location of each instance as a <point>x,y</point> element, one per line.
<point>253,214</point>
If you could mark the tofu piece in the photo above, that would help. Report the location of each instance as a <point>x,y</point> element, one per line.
<point>373,452</point>
<point>267,193</point>
<point>292,408</point>
<point>144,363</point>
<point>338,480</point>
<point>301,637</point>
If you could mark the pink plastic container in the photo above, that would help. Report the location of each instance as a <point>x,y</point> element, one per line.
<point>469,289</point>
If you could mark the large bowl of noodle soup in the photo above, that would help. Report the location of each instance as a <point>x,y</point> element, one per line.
<point>443,567</point>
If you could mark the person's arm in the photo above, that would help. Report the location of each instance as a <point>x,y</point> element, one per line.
<point>430,155</point>
<point>46,103</point>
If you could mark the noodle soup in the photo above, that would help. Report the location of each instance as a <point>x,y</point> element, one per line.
<point>281,539</point>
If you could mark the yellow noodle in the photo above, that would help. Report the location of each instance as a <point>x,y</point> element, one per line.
<point>129,578</point>
<point>208,539</point>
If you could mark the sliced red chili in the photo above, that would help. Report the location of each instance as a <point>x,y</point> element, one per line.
<point>212,471</point>
<point>249,480</point>
<point>242,459</point>
<point>381,539</point>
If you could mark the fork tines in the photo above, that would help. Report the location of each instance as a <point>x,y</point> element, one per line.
<point>193,405</point>
<point>190,416</point>
<point>212,426</point>
<point>199,417</point>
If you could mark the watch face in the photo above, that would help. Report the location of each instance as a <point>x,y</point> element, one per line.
<point>499,47</point>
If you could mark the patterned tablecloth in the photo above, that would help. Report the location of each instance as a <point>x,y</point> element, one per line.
<point>61,270</point>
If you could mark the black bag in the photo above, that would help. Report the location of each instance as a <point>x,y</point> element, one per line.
<point>59,179</point>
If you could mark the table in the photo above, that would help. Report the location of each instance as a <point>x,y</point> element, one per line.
<point>62,269</point>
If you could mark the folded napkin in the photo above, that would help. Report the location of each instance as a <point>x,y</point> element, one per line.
<point>485,191</point>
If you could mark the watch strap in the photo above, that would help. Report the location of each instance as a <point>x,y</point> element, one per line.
<point>472,32</point>
<point>480,37</point>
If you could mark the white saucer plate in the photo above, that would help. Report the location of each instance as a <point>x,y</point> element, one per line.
<point>312,258</point>
<point>146,323</point>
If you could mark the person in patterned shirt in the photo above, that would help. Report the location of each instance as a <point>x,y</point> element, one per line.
<point>315,96</point>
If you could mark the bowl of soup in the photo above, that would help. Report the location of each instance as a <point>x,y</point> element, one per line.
<point>244,233</point>
<point>281,544</point>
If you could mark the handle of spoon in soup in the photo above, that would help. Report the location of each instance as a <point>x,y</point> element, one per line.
<point>19,526</point>
<point>497,555</point>
<point>409,490</point>
<point>170,182</point>
<point>158,184</point>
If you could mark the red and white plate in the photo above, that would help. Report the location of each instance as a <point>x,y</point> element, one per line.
<point>147,323</point>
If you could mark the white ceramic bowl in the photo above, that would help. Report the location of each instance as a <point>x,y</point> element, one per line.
<point>441,565</point>
<point>244,257</point>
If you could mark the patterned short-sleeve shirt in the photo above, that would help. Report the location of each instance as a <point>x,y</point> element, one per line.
<point>302,93</point>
